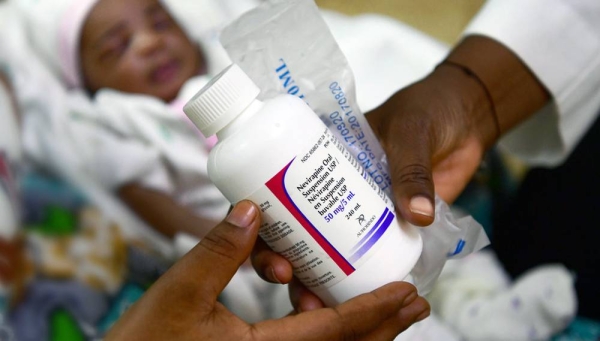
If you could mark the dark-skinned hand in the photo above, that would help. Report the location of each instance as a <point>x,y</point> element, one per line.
<point>435,133</point>
<point>183,305</point>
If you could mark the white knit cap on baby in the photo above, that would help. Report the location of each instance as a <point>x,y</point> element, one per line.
<point>54,29</point>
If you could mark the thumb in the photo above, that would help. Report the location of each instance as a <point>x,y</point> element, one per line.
<point>408,152</point>
<point>188,291</point>
<point>213,262</point>
<point>412,181</point>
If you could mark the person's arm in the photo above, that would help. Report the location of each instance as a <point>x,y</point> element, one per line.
<point>183,305</point>
<point>559,40</point>
<point>437,130</point>
<point>162,212</point>
<point>518,63</point>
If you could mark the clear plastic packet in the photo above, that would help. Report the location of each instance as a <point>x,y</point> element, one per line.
<point>285,46</point>
<point>449,237</point>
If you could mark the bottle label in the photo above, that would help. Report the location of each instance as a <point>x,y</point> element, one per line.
<point>324,213</point>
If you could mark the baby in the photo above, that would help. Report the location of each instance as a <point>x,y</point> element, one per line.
<point>135,46</point>
<point>128,67</point>
<point>138,67</point>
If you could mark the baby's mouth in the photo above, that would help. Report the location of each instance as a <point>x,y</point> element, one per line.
<point>165,72</point>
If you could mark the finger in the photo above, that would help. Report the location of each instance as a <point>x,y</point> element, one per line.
<point>410,156</point>
<point>303,299</point>
<point>412,180</point>
<point>223,250</point>
<point>269,265</point>
<point>413,187</point>
<point>354,319</point>
<point>203,273</point>
<point>414,312</point>
<point>188,292</point>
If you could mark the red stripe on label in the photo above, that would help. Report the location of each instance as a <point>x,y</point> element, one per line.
<point>277,186</point>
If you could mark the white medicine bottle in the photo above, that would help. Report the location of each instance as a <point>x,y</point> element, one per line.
<point>320,209</point>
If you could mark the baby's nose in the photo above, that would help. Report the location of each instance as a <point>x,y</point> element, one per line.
<point>147,42</point>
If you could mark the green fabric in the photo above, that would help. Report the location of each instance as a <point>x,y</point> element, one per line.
<point>59,221</point>
<point>63,327</point>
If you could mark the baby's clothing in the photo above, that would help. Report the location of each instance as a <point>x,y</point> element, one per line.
<point>148,142</point>
<point>30,318</point>
<point>120,138</point>
<point>54,28</point>
<point>117,138</point>
<point>476,298</point>
<point>9,155</point>
<point>129,138</point>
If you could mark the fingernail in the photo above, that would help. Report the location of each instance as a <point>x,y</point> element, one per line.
<point>410,299</point>
<point>274,276</point>
<point>421,205</point>
<point>422,315</point>
<point>309,305</point>
<point>242,214</point>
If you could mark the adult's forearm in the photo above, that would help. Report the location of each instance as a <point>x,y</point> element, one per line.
<point>513,91</point>
<point>559,41</point>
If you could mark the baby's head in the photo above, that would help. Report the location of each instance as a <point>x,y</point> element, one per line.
<point>136,46</point>
<point>133,46</point>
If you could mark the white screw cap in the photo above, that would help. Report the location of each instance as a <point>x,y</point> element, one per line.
<point>226,96</point>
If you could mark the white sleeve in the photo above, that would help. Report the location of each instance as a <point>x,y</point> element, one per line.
<point>559,40</point>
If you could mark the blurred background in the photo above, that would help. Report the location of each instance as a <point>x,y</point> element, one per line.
<point>74,255</point>
<point>443,20</point>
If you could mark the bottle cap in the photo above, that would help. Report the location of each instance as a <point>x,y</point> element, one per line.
<point>226,96</point>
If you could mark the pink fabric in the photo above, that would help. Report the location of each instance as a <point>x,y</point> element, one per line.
<point>68,39</point>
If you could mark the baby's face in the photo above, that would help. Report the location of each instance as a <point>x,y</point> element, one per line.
<point>135,46</point>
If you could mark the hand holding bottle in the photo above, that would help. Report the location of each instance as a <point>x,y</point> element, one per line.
<point>182,304</point>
